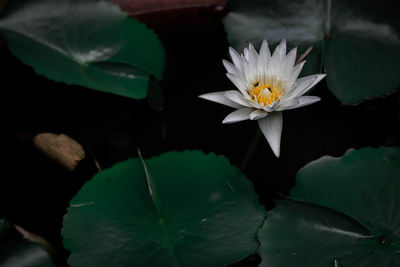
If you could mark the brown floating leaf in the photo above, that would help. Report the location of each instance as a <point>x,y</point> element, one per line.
<point>61,148</point>
<point>138,7</point>
<point>174,14</point>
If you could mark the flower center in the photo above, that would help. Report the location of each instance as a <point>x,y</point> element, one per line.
<point>265,93</point>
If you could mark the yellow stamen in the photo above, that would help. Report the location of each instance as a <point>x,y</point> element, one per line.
<point>265,93</point>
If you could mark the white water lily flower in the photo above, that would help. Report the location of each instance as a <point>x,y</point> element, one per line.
<point>267,85</point>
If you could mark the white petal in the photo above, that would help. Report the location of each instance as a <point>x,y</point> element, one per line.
<point>238,82</point>
<point>302,101</point>
<point>291,57</point>
<point>236,58</point>
<point>256,105</point>
<point>261,106</point>
<point>273,64</point>
<point>295,73</point>
<point>219,97</point>
<point>262,62</point>
<point>273,105</point>
<point>277,59</point>
<point>268,109</point>
<point>287,104</point>
<point>230,68</point>
<point>287,64</point>
<point>304,84</point>
<point>258,114</point>
<point>238,115</point>
<point>301,85</point>
<point>264,51</point>
<point>271,126</point>
<point>246,53</point>
<point>253,57</point>
<point>237,97</point>
<point>248,70</point>
<point>281,49</point>
<point>319,78</point>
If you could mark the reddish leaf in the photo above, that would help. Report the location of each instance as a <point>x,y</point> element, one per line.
<point>138,7</point>
<point>172,14</point>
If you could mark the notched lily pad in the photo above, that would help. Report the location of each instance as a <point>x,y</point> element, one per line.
<point>343,211</point>
<point>358,41</point>
<point>178,209</point>
<point>89,43</point>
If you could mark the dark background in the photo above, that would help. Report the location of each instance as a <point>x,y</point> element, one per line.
<point>35,192</point>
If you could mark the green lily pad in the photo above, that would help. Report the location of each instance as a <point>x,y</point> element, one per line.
<point>356,42</point>
<point>343,212</point>
<point>15,251</point>
<point>178,209</point>
<point>89,43</point>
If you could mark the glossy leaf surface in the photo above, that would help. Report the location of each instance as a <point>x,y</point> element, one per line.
<point>179,209</point>
<point>347,214</point>
<point>364,184</point>
<point>88,43</point>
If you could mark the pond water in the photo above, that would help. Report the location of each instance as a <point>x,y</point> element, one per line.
<point>35,192</point>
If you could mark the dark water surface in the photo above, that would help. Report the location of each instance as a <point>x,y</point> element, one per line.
<point>35,192</point>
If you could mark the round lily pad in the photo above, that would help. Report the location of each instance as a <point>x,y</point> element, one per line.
<point>178,209</point>
<point>342,212</point>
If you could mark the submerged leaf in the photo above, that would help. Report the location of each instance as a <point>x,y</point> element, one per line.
<point>355,42</point>
<point>15,251</point>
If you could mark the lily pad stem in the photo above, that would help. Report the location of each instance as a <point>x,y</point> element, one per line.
<point>250,150</point>
<point>301,57</point>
